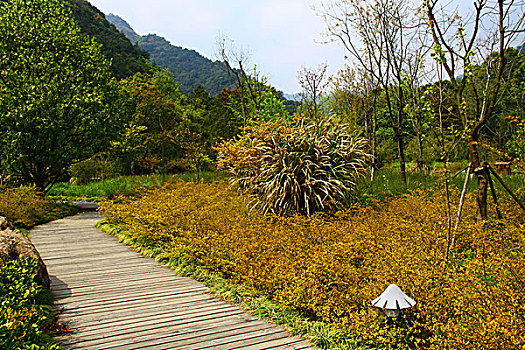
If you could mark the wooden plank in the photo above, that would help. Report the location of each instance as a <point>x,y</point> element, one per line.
<point>132,307</point>
<point>96,260</point>
<point>148,331</point>
<point>121,304</point>
<point>128,296</point>
<point>128,323</point>
<point>241,341</point>
<point>113,298</point>
<point>177,338</point>
<point>102,271</point>
<point>109,318</point>
<point>96,287</point>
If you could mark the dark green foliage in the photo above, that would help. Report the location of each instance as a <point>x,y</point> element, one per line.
<point>26,314</point>
<point>166,130</point>
<point>56,92</point>
<point>223,123</point>
<point>126,58</point>
<point>153,137</point>
<point>189,68</point>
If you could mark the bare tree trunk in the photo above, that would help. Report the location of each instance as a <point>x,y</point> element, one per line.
<point>454,53</point>
<point>483,184</point>
<point>402,161</point>
<point>421,161</point>
<point>374,139</point>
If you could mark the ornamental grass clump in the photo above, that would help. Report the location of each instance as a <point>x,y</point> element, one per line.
<point>295,167</point>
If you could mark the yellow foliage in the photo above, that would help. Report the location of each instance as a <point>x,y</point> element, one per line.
<point>332,267</point>
<point>26,207</point>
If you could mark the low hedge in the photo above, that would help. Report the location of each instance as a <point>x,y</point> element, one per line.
<point>25,207</point>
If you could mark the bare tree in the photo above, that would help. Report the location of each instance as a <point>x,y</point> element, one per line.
<point>355,94</point>
<point>236,61</point>
<point>313,83</point>
<point>416,77</point>
<point>378,35</point>
<point>461,45</point>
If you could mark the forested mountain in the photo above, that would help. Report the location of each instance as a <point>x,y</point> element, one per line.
<point>123,27</point>
<point>127,59</point>
<point>189,68</point>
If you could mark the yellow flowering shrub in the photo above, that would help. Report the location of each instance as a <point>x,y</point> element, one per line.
<point>330,268</point>
<point>25,207</point>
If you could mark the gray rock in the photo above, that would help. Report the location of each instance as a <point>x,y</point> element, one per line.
<point>14,245</point>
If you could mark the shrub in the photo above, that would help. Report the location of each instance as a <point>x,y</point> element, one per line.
<point>95,168</point>
<point>331,268</point>
<point>25,311</point>
<point>299,167</point>
<point>26,207</point>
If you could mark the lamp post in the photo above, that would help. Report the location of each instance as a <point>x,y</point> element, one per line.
<point>392,301</point>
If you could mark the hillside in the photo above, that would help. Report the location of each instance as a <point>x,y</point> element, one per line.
<point>123,27</point>
<point>127,59</point>
<point>189,68</point>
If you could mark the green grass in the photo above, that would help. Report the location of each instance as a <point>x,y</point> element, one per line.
<point>125,185</point>
<point>105,189</point>
<point>387,184</point>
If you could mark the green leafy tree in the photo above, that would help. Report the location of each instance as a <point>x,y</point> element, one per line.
<point>151,105</point>
<point>223,122</point>
<point>126,58</point>
<point>165,128</point>
<point>272,106</point>
<point>56,92</point>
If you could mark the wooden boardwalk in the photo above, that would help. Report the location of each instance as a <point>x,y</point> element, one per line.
<point>113,298</point>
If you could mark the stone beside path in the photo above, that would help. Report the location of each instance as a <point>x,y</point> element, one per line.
<point>114,298</point>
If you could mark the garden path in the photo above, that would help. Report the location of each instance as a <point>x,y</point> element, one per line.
<point>114,298</point>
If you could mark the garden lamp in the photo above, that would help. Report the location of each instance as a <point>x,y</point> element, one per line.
<point>393,300</point>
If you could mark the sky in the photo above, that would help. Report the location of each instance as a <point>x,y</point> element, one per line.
<point>281,36</point>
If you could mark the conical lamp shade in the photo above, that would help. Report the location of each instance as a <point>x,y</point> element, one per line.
<point>393,298</point>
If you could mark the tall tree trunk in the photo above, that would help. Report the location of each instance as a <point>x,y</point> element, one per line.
<point>421,161</point>
<point>399,132</point>
<point>374,141</point>
<point>401,150</point>
<point>482,173</point>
